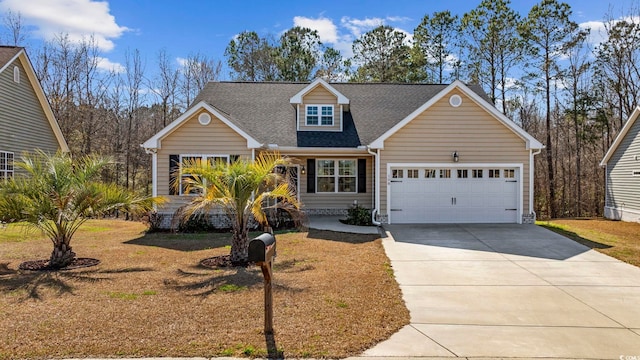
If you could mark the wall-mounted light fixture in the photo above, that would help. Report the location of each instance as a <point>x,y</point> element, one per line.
<point>455,156</point>
<point>303,170</point>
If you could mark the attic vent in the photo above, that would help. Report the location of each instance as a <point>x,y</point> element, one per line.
<point>16,74</point>
<point>204,119</point>
<point>455,100</point>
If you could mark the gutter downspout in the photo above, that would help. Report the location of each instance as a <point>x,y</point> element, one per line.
<point>531,173</point>
<point>376,170</point>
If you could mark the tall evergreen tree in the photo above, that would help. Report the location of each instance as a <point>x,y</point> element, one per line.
<point>298,54</point>
<point>548,32</point>
<point>494,46</point>
<point>436,37</point>
<point>381,55</point>
<point>251,57</point>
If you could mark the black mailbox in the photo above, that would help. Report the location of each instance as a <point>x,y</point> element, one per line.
<point>262,248</point>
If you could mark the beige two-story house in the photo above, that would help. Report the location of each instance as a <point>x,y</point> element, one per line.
<point>412,153</point>
<point>26,120</point>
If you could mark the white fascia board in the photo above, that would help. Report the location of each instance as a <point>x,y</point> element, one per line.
<point>531,142</point>
<point>297,98</point>
<point>621,135</point>
<point>155,141</point>
<point>294,150</point>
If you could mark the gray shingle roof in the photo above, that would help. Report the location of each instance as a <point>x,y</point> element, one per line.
<point>7,53</point>
<point>263,110</point>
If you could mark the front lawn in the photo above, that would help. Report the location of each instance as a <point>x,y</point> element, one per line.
<point>618,239</point>
<point>334,296</point>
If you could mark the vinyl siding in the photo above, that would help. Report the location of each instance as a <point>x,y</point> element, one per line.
<point>193,138</point>
<point>23,123</point>
<point>336,200</point>
<point>320,96</point>
<point>623,189</point>
<point>434,135</point>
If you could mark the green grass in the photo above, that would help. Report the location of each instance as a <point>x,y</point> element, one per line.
<point>22,232</point>
<point>130,296</point>
<point>18,232</point>
<point>231,288</point>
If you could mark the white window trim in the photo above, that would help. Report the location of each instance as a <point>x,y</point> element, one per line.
<point>202,157</point>
<point>16,74</point>
<point>319,106</point>
<point>7,174</point>
<point>336,176</point>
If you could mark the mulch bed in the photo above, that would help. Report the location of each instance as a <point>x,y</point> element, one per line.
<point>222,261</point>
<point>43,265</point>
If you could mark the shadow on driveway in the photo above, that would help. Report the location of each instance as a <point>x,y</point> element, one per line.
<point>513,239</point>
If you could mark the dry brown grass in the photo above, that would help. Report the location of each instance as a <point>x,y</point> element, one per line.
<point>334,296</point>
<point>618,239</point>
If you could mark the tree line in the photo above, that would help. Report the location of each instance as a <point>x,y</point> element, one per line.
<point>540,69</point>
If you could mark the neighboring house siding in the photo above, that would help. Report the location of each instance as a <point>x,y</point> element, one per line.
<point>623,189</point>
<point>337,201</point>
<point>434,135</point>
<point>320,96</point>
<point>193,138</point>
<point>23,124</point>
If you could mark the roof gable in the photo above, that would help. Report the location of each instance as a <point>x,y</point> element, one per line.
<point>623,133</point>
<point>9,55</point>
<point>155,141</point>
<point>297,98</point>
<point>530,141</point>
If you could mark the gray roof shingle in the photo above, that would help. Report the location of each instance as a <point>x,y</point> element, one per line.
<point>7,53</point>
<point>263,110</point>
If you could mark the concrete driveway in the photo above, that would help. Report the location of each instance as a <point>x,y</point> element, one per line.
<point>516,291</point>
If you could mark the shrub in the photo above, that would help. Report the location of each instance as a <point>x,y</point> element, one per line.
<point>358,215</point>
<point>197,223</point>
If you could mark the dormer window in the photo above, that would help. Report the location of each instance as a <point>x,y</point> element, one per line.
<point>319,115</point>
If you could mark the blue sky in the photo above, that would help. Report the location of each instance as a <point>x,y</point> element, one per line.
<point>207,26</point>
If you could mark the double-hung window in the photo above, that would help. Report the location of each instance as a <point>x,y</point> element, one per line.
<point>337,176</point>
<point>6,165</point>
<point>191,160</point>
<point>319,115</point>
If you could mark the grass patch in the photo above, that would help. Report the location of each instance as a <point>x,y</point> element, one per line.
<point>161,303</point>
<point>231,288</point>
<point>618,239</point>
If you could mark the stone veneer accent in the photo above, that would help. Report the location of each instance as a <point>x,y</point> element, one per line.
<point>529,218</point>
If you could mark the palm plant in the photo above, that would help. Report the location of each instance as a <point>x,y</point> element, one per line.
<point>58,194</point>
<point>243,190</point>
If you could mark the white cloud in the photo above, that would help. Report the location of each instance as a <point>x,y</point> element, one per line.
<point>359,26</point>
<point>325,27</point>
<point>400,19</point>
<point>80,19</point>
<point>597,32</point>
<point>107,65</point>
<point>181,61</point>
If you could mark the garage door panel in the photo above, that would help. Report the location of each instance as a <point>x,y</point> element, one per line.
<point>474,199</point>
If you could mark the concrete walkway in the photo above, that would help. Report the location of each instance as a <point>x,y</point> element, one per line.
<point>509,291</point>
<point>330,222</point>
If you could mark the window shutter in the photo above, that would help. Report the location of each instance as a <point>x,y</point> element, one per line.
<point>362,175</point>
<point>174,166</point>
<point>311,175</point>
<point>233,158</point>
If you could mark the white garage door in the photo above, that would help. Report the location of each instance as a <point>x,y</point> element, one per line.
<point>454,195</point>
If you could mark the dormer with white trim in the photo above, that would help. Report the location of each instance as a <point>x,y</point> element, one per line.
<point>319,107</point>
